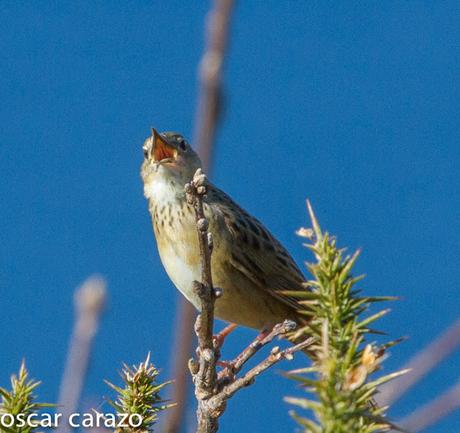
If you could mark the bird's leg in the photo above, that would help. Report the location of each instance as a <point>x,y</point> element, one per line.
<point>219,338</point>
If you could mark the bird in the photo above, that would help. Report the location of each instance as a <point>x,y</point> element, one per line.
<point>250,266</point>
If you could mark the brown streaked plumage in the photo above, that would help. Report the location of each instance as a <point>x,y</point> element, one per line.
<point>248,263</point>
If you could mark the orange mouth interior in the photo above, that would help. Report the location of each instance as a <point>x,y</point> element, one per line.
<point>162,150</point>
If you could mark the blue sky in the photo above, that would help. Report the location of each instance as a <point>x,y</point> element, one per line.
<point>351,104</point>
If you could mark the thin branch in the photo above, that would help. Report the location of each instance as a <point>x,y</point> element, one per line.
<point>89,303</point>
<point>421,364</point>
<point>205,375</point>
<point>275,356</point>
<point>180,354</point>
<point>433,411</point>
<point>210,75</point>
<point>207,116</point>
<point>235,366</point>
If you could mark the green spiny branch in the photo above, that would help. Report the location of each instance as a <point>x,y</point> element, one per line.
<point>343,360</point>
<point>20,404</point>
<point>140,397</point>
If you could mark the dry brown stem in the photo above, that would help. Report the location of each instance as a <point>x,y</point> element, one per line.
<point>432,412</point>
<point>89,303</point>
<point>421,364</point>
<point>210,76</point>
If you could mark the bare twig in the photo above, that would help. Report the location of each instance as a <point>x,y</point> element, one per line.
<point>211,390</point>
<point>433,411</point>
<point>421,364</point>
<point>89,303</point>
<point>275,356</point>
<point>238,363</point>
<point>210,75</point>
<point>180,354</point>
<point>206,289</point>
<point>207,116</point>
<point>205,376</point>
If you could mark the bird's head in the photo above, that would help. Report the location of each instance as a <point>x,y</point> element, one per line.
<point>167,155</point>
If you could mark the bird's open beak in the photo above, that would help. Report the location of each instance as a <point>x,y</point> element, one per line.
<point>161,149</point>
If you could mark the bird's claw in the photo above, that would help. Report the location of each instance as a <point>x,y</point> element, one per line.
<point>219,339</point>
<point>227,374</point>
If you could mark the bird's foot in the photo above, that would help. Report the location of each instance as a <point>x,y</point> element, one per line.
<point>219,338</point>
<point>226,365</point>
<point>228,373</point>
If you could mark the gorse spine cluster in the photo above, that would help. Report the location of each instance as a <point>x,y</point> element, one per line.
<point>140,395</point>
<point>20,403</point>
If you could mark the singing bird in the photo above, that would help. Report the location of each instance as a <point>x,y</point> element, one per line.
<point>248,263</point>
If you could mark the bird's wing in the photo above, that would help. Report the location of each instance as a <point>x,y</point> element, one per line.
<point>255,252</point>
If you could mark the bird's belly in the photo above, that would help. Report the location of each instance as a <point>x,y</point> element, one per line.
<point>181,270</point>
<point>241,303</point>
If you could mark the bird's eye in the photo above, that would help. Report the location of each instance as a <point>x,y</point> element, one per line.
<point>182,143</point>
<point>146,152</point>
